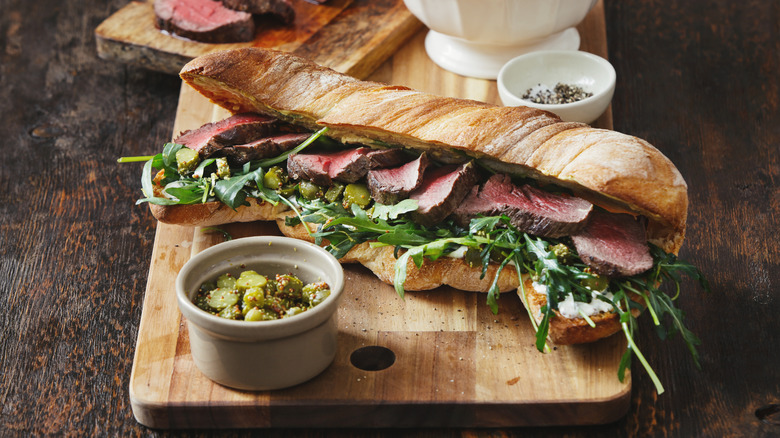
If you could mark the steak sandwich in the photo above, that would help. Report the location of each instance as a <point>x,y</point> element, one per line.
<point>425,191</point>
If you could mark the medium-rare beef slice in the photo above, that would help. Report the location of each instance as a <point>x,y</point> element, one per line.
<point>266,147</point>
<point>207,21</point>
<point>349,166</point>
<point>280,9</point>
<point>614,245</point>
<point>383,158</point>
<point>237,129</point>
<point>529,209</point>
<point>441,192</point>
<point>345,166</point>
<point>389,186</point>
<point>310,167</point>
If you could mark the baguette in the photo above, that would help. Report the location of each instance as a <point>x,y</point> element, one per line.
<point>610,169</point>
<point>614,171</point>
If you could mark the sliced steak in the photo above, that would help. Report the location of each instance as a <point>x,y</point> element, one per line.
<point>529,209</point>
<point>383,158</point>
<point>279,9</point>
<point>310,167</point>
<point>346,166</point>
<point>207,21</point>
<point>238,129</point>
<point>614,245</point>
<point>389,186</point>
<point>263,148</point>
<point>441,192</point>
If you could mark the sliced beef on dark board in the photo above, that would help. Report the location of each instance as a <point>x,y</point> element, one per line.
<point>281,10</point>
<point>266,147</point>
<point>441,191</point>
<point>237,129</point>
<point>389,186</point>
<point>383,158</point>
<point>531,210</point>
<point>345,166</point>
<point>207,21</point>
<point>614,245</point>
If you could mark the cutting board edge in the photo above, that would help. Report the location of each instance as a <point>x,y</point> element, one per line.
<point>375,415</point>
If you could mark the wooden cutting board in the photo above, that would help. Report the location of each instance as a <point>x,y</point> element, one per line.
<point>351,36</point>
<point>456,364</point>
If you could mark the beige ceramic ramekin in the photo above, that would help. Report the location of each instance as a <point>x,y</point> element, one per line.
<point>262,355</point>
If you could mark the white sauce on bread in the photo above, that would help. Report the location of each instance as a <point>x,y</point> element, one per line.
<point>571,309</point>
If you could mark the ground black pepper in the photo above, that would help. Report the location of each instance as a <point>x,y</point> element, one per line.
<point>562,93</point>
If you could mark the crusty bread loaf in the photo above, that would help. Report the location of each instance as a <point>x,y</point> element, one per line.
<point>215,213</point>
<point>615,171</point>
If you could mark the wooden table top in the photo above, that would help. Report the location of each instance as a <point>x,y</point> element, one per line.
<point>697,79</point>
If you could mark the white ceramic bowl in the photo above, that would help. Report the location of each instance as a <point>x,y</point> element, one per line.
<point>262,355</point>
<point>476,37</point>
<point>590,72</point>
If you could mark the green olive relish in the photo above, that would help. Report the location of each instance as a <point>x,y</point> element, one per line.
<point>255,297</point>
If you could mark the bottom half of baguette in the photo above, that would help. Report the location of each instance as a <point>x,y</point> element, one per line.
<point>381,260</point>
<point>457,273</point>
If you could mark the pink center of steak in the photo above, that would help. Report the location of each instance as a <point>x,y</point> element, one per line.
<point>237,129</point>
<point>441,192</point>
<point>529,209</point>
<point>614,245</point>
<point>199,14</point>
<point>346,166</point>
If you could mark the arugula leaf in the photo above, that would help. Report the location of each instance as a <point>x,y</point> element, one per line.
<point>146,180</point>
<point>231,190</point>
<point>169,153</point>
<point>198,172</point>
<point>400,268</point>
<point>400,236</point>
<point>385,212</point>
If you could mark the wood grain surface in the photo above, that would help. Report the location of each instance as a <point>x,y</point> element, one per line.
<point>351,36</point>
<point>456,364</point>
<point>698,79</point>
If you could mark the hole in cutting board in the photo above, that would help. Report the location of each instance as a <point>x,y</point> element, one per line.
<point>769,414</point>
<point>372,358</point>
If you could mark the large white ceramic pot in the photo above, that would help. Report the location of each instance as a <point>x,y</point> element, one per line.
<point>476,38</point>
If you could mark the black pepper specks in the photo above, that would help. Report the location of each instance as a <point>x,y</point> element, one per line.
<point>561,93</point>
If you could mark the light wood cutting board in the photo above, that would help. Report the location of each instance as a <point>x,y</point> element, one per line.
<point>350,36</point>
<point>456,363</point>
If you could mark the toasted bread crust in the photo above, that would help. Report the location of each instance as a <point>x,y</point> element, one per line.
<point>432,274</point>
<point>612,169</point>
<point>214,213</point>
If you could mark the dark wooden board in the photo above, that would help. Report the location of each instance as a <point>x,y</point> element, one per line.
<point>351,36</point>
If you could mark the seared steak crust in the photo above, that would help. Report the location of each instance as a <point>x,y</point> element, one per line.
<point>389,186</point>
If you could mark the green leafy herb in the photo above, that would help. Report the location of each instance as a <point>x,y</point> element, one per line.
<point>500,243</point>
<point>198,188</point>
